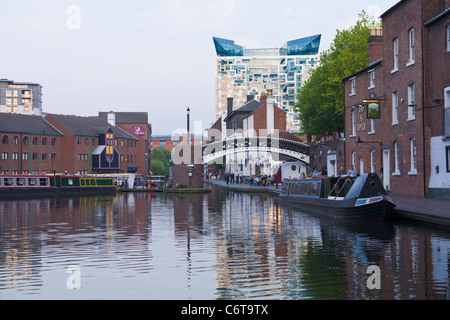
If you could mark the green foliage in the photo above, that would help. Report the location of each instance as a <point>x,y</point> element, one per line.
<point>160,168</point>
<point>321,99</point>
<point>160,161</point>
<point>162,154</point>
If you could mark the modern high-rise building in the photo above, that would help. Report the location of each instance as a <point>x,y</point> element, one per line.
<point>20,97</point>
<point>242,72</point>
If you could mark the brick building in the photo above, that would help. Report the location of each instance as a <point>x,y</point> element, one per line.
<point>58,143</point>
<point>395,107</point>
<point>135,124</point>
<point>170,141</point>
<point>29,144</point>
<point>81,137</point>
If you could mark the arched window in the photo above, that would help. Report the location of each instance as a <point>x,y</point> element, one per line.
<point>25,141</point>
<point>5,139</point>
<point>44,141</point>
<point>54,142</point>
<point>16,140</point>
<point>35,141</point>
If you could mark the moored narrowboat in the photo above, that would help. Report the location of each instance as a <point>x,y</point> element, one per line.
<point>345,197</point>
<point>24,185</point>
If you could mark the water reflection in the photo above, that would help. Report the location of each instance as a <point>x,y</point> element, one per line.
<point>222,245</point>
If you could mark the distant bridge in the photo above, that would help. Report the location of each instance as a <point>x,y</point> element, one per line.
<point>293,149</point>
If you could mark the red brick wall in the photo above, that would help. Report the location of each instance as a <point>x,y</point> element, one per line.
<point>180,173</point>
<point>20,165</point>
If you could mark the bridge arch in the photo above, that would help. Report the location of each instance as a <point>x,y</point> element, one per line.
<point>294,149</point>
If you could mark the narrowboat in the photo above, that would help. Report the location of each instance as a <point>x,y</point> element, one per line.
<point>25,185</point>
<point>344,197</point>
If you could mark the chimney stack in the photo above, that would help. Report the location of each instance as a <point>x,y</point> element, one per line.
<point>375,45</point>
<point>112,118</point>
<point>229,105</point>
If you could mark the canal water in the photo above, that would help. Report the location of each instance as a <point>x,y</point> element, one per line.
<point>220,245</point>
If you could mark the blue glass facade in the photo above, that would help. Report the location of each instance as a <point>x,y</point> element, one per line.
<point>302,46</point>
<point>227,48</point>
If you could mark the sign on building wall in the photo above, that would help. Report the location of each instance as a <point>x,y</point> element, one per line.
<point>140,131</point>
<point>373,109</point>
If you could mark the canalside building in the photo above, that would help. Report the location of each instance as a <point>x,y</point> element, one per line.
<point>56,143</point>
<point>397,110</point>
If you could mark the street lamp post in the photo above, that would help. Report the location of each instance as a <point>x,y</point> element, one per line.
<point>188,131</point>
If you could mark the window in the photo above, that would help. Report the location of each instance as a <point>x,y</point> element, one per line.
<point>372,161</point>
<point>448,38</point>
<point>78,140</point>
<point>35,156</point>
<point>396,159</point>
<point>447,152</point>
<point>353,86</point>
<point>53,156</point>
<point>411,47</point>
<point>35,141</point>
<point>354,158</point>
<point>394,108</point>
<point>353,122</point>
<point>5,139</point>
<point>413,156</point>
<point>411,102</point>
<point>44,141</point>
<point>81,157</point>
<point>395,55</point>
<point>371,79</point>
<point>361,165</point>
<point>54,142</point>
<point>4,155</point>
<point>15,156</point>
<point>16,140</point>
<point>25,141</point>
<point>24,156</point>
<point>44,156</point>
<point>447,112</point>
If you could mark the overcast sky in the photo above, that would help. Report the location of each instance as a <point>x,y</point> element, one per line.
<point>150,55</point>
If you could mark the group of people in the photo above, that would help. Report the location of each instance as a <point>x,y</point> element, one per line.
<point>234,178</point>
<point>351,172</point>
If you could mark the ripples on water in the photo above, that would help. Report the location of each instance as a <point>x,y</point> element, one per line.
<point>222,245</point>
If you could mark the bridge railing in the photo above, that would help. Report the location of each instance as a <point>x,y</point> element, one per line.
<point>253,144</point>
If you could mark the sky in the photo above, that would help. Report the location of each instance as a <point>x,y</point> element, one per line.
<point>156,56</point>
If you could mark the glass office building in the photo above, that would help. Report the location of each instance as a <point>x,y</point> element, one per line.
<point>241,72</point>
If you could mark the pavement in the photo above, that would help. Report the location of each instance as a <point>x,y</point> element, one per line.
<point>428,210</point>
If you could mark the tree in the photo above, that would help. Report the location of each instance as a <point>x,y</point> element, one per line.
<point>161,161</point>
<point>160,168</point>
<point>320,101</point>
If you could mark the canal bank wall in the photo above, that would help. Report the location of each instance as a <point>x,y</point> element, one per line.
<point>426,210</point>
